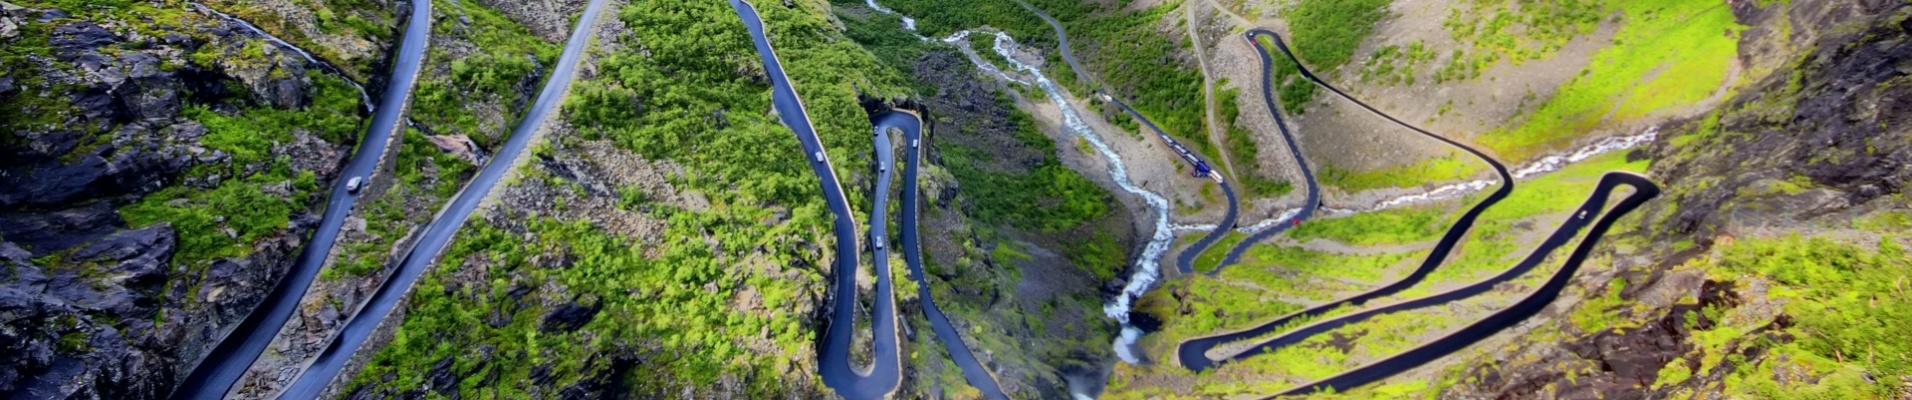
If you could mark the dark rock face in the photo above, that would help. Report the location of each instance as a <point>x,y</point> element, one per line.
<point>91,308</point>
<point>1841,123</point>
<point>62,328</point>
<point>568,317</point>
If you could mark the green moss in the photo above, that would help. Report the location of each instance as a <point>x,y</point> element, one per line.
<point>1097,253</point>
<point>1844,301</point>
<point>224,221</point>
<point>74,342</point>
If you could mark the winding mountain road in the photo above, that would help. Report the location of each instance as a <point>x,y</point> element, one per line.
<point>1192,352</point>
<point>912,126</point>
<point>215,375</point>
<point>1528,306</point>
<point>440,231</point>
<point>833,363</point>
<point>1185,262</point>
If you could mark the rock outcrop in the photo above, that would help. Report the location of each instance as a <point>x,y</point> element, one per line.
<point>92,306</point>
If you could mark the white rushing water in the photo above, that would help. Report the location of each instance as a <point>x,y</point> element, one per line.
<point>1537,167</point>
<point>908,23</point>
<point>1147,267</point>
<point>1285,216</point>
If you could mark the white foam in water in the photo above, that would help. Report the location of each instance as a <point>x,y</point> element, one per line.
<point>1541,166</point>
<point>1191,228</point>
<point>1605,145</point>
<point>1147,270</point>
<point>1264,224</point>
<point>908,23</point>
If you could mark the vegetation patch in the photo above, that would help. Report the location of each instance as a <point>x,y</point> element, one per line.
<point>1291,89</point>
<point>1394,64</point>
<point>257,190</point>
<point>1244,154</point>
<point>505,60</point>
<point>1518,31</point>
<point>1666,54</point>
<point>1326,32</point>
<point>1844,301</point>
<point>1049,196</point>
<point>1419,174</point>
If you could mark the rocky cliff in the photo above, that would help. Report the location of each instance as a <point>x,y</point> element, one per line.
<point>1768,270</point>
<point>119,147</point>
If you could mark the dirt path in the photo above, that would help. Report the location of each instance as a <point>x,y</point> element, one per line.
<point>1239,20</point>
<point>1216,134</point>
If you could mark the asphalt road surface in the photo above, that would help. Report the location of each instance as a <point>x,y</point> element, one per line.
<point>228,361</point>
<point>912,127</point>
<point>833,363</point>
<point>1192,352</point>
<point>440,231</point>
<point>1527,307</point>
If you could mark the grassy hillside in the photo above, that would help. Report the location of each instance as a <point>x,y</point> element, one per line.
<point>676,318</point>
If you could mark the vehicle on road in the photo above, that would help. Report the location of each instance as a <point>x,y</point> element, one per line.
<point>353,185</point>
<point>818,156</point>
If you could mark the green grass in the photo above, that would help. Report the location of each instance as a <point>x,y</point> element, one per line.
<point>1356,267</point>
<point>1666,55</point>
<point>1496,238</point>
<point>240,201</point>
<point>1392,226</point>
<point>695,315</point>
<point>1844,301</point>
<point>1530,30</point>
<point>1243,153</point>
<point>503,56</point>
<point>1429,171</point>
<point>1394,64</point>
<point>1212,306</point>
<point>1326,32</point>
<point>1291,89</point>
<point>1213,255</point>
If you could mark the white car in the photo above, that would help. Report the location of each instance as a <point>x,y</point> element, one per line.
<point>353,185</point>
<point>912,143</point>
<point>818,156</point>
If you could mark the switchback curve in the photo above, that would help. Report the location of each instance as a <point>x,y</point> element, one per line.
<point>1192,352</point>
<point>1529,305</point>
<point>1186,260</point>
<point>912,126</point>
<point>833,362</point>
